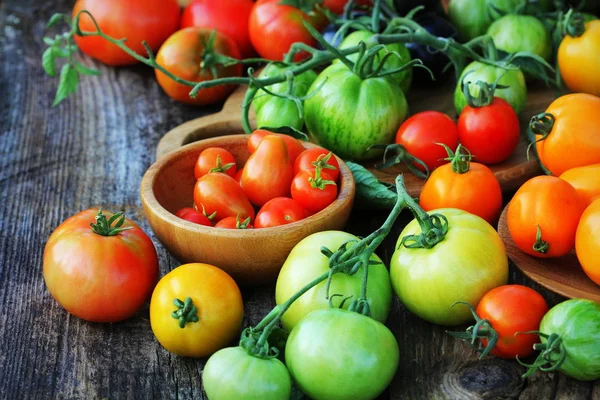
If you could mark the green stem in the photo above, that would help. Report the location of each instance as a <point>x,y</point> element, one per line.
<point>104,227</point>
<point>186,312</point>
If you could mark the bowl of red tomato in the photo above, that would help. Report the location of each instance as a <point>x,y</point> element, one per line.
<point>242,202</point>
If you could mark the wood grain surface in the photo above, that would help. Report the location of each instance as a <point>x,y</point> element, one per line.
<point>93,150</point>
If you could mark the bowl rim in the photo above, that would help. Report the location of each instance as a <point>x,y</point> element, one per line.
<point>149,201</point>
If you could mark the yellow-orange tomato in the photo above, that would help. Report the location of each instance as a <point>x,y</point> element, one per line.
<point>209,310</point>
<point>185,55</point>
<point>549,206</point>
<point>587,241</point>
<point>573,132</point>
<point>579,60</point>
<point>586,180</point>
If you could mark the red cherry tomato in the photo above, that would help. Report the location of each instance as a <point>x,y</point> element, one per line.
<point>279,211</point>
<point>307,159</point>
<point>215,159</point>
<point>234,223</point>
<point>313,192</point>
<point>229,17</point>
<point>221,194</point>
<point>294,146</point>
<point>337,6</point>
<point>195,216</point>
<point>491,133</point>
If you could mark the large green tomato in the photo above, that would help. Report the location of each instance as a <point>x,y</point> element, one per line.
<point>403,78</point>
<point>306,262</point>
<point>577,322</point>
<point>515,94</point>
<point>233,374</point>
<point>468,263</point>
<point>348,114</point>
<point>513,33</point>
<point>336,354</point>
<point>473,17</point>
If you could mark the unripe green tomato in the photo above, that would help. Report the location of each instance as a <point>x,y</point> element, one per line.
<point>513,33</point>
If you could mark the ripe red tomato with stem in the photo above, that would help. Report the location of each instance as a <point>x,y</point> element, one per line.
<point>152,21</point>
<point>222,195</point>
<point>268,173</point>
<point>234,223</point>
<point>294,146</point>
<point>314,189</point>
<point>488,126</point>
<point>197,55</point>
<point>502,317</point>
<point>192,215</point>
<point>279,211</point>
<point>228,17</point>
<point>95,257</point>
<point>310,159</point>
<point>215,159</point>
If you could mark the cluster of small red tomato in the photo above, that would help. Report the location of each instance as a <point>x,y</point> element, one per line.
<point>285,180</point>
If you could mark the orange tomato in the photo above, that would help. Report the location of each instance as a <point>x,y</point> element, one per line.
<point>137,20</point>
<point>587,241</point>
<point>465,185</point>
<point>579,60</point>
<point>573,133</point>
<point>184,55</point>
<point>549,206</point>
<point>586,180</point>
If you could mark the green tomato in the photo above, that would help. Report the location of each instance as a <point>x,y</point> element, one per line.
<point>468,263</point>
<point>513,33</point>
<point>515,94</point>
<point>473,17</point>
<point>348,114</point>
<point>577,322</point>
<point>403,78</point>
<point>233,374</point>
<point>338,354</point>
<point>277,112</point>
<point>306,262</point>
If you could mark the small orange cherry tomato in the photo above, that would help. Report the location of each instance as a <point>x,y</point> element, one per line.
<point>587,241</point>
<point>543,216</point>
<point>586,180</point>
<point>579,60</point>
<point>465,185</point>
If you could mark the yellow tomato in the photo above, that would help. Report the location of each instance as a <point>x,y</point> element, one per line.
<point>579,60</point>
<point>587,241</point>
<point>195,310</point>
<point>586,180</point>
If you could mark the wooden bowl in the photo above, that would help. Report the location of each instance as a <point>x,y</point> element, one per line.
<point>251,257</point>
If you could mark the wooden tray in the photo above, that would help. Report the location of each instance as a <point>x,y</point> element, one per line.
<point>511,174</point>
<point>562,275</point>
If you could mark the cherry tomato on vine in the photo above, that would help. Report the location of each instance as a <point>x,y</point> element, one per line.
<point>234,223</point>
<point>320,156</point>
<point>190,54</point>
<point>275,27</point>
<point>578,59</point>
<point>279,211</point>
<point>215,159</point>
<point>195,310</point>
<point>87,268</point>
<point>221,194</point>
<point>152,21</point>
<point>228,17</point>
<point>543,216</point>
<point>314,189</point>
<point>294,146</point>
<point>192,215</point>
<point>587,241</point>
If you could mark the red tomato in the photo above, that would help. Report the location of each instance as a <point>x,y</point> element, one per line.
<point>314,192</point>
<point>221,194</point>
<point>137,20</point>
<point>184,55</point>
<point>294,146</point>
<point>491,133</point>
<point>268,173</point>
<point>228,17</point>
<point>337,6</point>
<point>195,216</point>
<point>234,223</point>
<point>420,133</point>
<point>275,27</point>
<point>279,211</point>
<point>310,158</point>
<point>215,159</point>
<point>86,269</point>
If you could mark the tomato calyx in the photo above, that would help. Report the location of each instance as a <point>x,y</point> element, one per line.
<point>104,227</point>
<point>186,312</point>
<point>434,228</point>
<point>211,59</point>
<point>219,167</point>
<point>322,161</point>
<point>573,24</point>
<point>540,245</point>
<point>400,156</point>
<point>485,96</point>
<point>459,161</point>
<point>552,356</point>
<point>317,182</point>
<point>482,329</point>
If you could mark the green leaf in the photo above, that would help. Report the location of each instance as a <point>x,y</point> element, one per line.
<point>55,19</point>
<point>287,130</point>
<point>49,41</point>
<point>69,78</point>
<point>61,52</point>
<point>82,69</point>
<point>370,192</point>
<point>49,61</point>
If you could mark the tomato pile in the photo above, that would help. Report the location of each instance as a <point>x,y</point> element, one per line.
<point>347,94</point>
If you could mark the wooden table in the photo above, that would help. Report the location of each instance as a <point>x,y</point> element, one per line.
<point>93,150</point>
